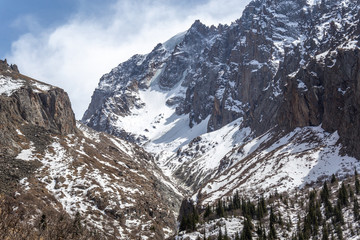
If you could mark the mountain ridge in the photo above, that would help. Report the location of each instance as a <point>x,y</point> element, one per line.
<point>268,71</point>
<point>58,169</point>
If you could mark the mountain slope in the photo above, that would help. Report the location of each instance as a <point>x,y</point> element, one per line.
<point>203,101</point>
<point>52,163</point>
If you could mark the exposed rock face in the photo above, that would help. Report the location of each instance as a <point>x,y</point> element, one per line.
<point>53,163</point>
<point>329,97</point>
<point>282,65</point>
<point>33,103</point>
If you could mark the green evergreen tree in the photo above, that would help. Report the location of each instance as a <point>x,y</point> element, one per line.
<point>339,232</point>
<point>272,233</point>
<point>43,223</point>
<point>357,185</point>
<point>338,216</point>
<point>324,194</point>
<point>260,211</point>
<point>313,217</point>
<point>208,211</point>
<point>301,236</point>
<point>333,179</point>
<point>247,230</point>
<point>236,200</point>
<point>251,209</point>
<point>329,210</point>
<point>356,209</point>
<point>343,195</point>
<point>220,236</point>
<point>351,192</point>
<point>183,224</point>
<point>220,212</point>
<point>189,219</point>
<point>325,233</point>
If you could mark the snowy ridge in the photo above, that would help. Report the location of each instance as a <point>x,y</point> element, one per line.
<point>302,157</point>
<point>9,85</point>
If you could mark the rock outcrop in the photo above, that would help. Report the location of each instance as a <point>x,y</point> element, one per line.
<point>51,163</point>
<point>327,95</point>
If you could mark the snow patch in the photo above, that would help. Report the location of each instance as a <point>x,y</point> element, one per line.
<point>8,85</point>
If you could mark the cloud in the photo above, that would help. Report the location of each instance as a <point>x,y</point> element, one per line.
<point>77,53</point>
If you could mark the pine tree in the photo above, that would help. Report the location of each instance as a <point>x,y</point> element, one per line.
<point>247,229</point>
<point>251,209</point>
<point>208,211</point>
<point>183,224</point>
<point>220,212</point>
<point>357,185</point>
<point>272,232</point>
<point>220,237</point>
<point>343,195</point>
<point>338,217</point>
<point>313,217</point>
<point>329,210</point>
<point>260,232</point>
<point>325,233</point>
<point>236,200</point>
<point>289,224</point>
<point>324,194</point>
<point>351,192</point>
<point>339,232</point>
<point>260,211</point>
<point>356,209</point>
<point>333,179</point>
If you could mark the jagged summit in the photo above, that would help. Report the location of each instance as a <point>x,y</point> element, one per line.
<point>4,66</point>
<point>278,67</point>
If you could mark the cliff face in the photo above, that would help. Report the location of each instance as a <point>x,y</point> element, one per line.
<point>51,163</point>
<point>283,65</point>
<point>225,72</point>
<point>327,95</point>
<point>25,101</point>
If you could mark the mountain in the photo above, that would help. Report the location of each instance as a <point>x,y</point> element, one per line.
<point>62,180</point>
<point>269,102</point>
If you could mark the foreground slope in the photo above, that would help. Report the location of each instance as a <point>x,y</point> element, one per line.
<point>52,163</point>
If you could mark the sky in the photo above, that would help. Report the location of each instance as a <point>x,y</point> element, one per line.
<point>72,43</point>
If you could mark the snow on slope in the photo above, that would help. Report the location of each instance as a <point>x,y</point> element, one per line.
<point>204,153</point>
<point>301,157</point>
<point>8,85</point>
<point>103,178</point>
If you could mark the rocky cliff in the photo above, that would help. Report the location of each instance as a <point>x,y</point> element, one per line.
<point>282,65</point>
<point>25,101</point>
<point>55,166</point>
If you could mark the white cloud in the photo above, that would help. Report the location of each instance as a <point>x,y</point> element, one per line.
<point>76,54</point>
